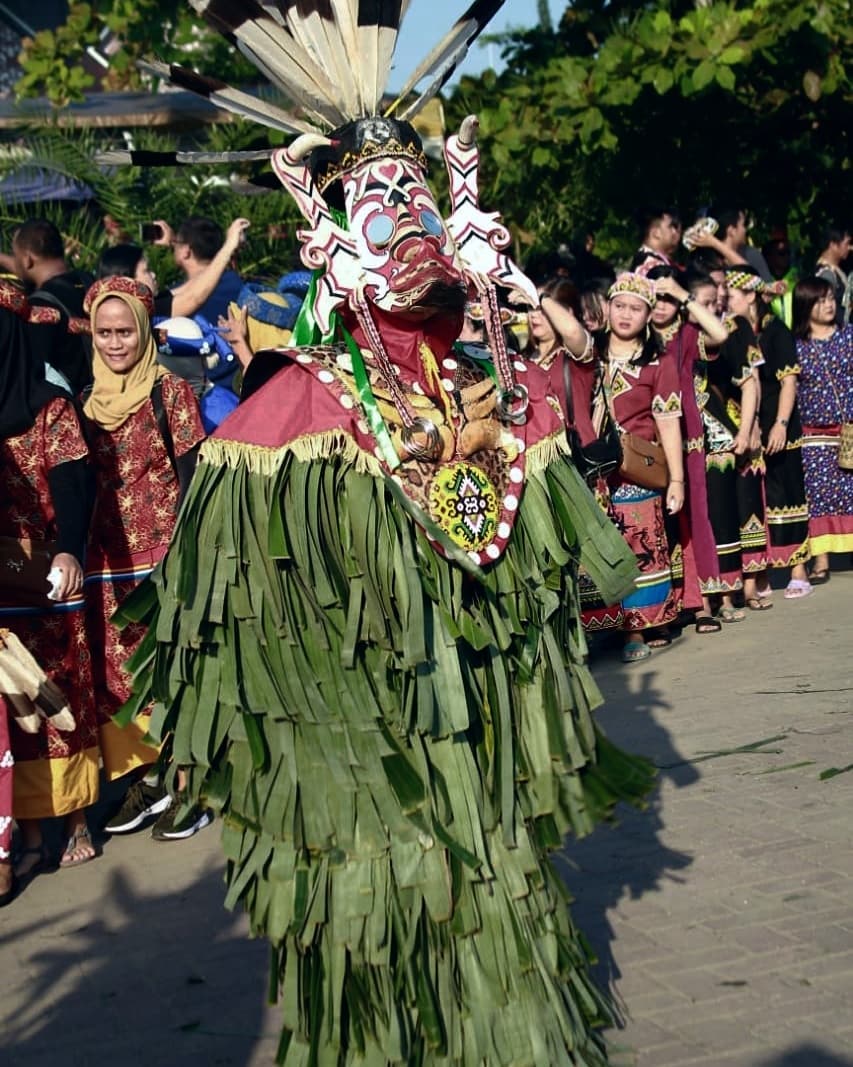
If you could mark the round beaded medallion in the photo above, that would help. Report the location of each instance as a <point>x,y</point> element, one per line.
<point>465,504</point>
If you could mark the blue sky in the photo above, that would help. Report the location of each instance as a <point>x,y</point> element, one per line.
<point>427,21</point>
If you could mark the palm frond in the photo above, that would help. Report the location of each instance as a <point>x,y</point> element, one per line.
<point>71,155</point>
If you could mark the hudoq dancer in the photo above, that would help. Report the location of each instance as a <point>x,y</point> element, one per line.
<point>364,642</point>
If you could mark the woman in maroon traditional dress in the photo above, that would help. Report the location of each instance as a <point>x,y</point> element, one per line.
<point>144,426</point>
<point>680,319</point>
<point>642,392</point>
<point>556,337</point>
<point>44,499</point>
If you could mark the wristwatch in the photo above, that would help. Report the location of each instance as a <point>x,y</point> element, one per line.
<point>782,422</point>
<point>689,299</point>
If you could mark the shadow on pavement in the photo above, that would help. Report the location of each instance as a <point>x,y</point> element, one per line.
<point>807,1056</point>
<point>168,978</point>
<point>153,979</point>
<point>627,858</point>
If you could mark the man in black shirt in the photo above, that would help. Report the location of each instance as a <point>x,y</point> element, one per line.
<point>61,339</point>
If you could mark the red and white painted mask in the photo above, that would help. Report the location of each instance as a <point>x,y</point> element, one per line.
<point>404,247</point>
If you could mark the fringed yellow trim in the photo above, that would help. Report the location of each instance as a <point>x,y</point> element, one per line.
<point>260,459</point>
<point>544,452</point>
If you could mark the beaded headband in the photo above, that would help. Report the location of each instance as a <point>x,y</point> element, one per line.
<point>745,281</point>
<point>633,285</point>
<point>120,287</point>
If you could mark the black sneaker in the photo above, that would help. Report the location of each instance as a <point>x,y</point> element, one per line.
<point>170,828</point>
<point>142,802</point>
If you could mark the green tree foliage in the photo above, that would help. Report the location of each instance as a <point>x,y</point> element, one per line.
<point>628,105</point>
<point>624,105</point>
<point>134,195</point>
<point>53,60</point>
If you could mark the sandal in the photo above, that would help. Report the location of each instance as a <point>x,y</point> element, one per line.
<point>658,639</point>
<point>706,625</point>
<point>24,871</point>
<point>727,614</point>
<point>756,603</point>
<point>79,849</point>
<point>635,651</point>
<point>797,589</point>
<point>820,577</point>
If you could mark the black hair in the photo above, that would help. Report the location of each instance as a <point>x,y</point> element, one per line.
<point>831,235</point>
<point>647,219</point>
<point>541,267</point>
<point>119,261</point>
<point>728,216</point>
<point>565,293</point>
<point>650,351</point>
<point>665,270</point>
<point>807,292</point>
<point>204,237</point>
<point>41,238</point>
<point>592,295</point>
<point>652,348</point>
<point>694,279</point>
<point>705,259</point>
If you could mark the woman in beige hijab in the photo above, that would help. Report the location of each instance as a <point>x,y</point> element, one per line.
<point>144,428</point>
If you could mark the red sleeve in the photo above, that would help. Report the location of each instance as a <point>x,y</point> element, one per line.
<point>63,438</point>
<point>182,413</point>
<point>583,384</point>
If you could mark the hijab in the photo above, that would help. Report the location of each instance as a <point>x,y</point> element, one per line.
<point>24,390</point>
<point>116,396</point>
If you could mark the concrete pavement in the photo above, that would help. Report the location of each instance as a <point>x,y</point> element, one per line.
<point>721,915</point>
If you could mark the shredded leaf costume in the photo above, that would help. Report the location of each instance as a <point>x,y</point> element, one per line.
<point>364,643</point>
<point>394,741</point>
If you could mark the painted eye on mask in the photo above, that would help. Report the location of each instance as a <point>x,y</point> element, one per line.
<point>379,230</point>
<point>431,223</point>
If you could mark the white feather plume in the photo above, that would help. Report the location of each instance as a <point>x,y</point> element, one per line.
<point>331,58</point>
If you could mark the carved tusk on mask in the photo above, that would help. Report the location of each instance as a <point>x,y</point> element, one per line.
<point>298,150</point>
<point>468,131</point>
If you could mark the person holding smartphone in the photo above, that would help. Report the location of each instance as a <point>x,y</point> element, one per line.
<point>195,245</point>
<point>130,261</point>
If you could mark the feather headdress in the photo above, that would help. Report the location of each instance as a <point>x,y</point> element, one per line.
<point>330,58</point>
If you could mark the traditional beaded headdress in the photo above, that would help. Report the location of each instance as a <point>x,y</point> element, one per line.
<point>633,285</point>
<point>745,280</point>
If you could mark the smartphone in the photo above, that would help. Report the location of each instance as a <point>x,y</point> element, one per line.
<point>150,232</point>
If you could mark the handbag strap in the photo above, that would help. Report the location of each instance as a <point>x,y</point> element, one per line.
<point>831,380</point>
<point>163,422</point>
<point>606,389</point>
<point>569,411</point>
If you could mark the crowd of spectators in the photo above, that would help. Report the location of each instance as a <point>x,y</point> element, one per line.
<point>735,366</point>
<point>728,370</point>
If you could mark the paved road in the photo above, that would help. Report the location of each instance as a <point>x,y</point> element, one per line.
<point>722,915</point>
